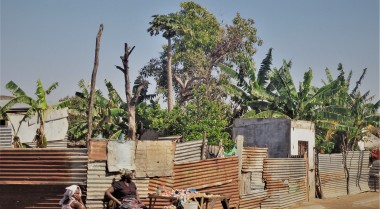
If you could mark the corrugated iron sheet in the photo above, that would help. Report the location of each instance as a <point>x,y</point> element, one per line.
<point>214,176</point>
<point>5,137</point>
<point>285,181</point>
<point>332,176</point>
<point>252,168</point>
<point>188,151</point>
<point>253,200</point>
<point>36,178</point>
<point>374,173</point>
<point>167,183</point>
<point>99,180</point>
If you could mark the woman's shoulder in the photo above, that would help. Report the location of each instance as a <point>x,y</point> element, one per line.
<point>117,184</point>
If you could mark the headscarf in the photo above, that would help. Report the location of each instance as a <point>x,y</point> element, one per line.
<point>69,193</point>
<point>125,173</point>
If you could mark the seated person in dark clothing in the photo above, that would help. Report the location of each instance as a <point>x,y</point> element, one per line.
<point>124,192</point>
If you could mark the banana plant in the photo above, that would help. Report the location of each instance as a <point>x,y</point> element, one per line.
<point>38,107</point>
<point>350,115</point>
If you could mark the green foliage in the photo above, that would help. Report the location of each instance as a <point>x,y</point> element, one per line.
<point>200,116</point>
<point>348,114</point>
<point>38,106</point>
<point>200,45</point>
<point>109,115</point>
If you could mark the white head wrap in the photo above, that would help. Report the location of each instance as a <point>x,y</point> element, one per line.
<point>69,193</point>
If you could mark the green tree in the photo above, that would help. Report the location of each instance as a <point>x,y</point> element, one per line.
<point>38,107</point>
<point>199,46</point>
<point>168,25</point>
<point>109,116</point>
<point>200,116</point>
<point>349,115</point>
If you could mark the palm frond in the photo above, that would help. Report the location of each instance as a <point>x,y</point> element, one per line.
<point>262,76</point>
<point>14,89</point>
<point>51,88</point>
<point>41,95</point>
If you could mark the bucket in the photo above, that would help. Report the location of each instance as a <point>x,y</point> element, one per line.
<point>190,205</point>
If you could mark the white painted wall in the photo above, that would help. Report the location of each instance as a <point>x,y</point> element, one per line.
<point>304,131</point>
<point>56,126</point>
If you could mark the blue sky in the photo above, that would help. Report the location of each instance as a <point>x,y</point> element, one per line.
<point>55,40</point>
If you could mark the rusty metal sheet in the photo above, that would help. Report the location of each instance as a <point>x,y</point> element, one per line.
<point>43,166</point>
<point>253,199</point>
<point>121,155</point>
<point>285,182</point>
<point>97,149</point>
<point>214,176</point>
<point>36,178</point>
<point>154,158</point>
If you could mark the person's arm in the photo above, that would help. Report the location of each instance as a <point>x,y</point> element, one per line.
<point>109,192</point>
<point>77,205</point>
<point>137,194</point>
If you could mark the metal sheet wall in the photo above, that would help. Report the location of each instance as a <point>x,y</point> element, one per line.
<point>285,182</point>
<point>5,137</point>
<point>215,176</point>
<point>252,191</point>
<point>99,180</point>
<point>332,176</point>
<point>188,151</point>
<point>36,178</point>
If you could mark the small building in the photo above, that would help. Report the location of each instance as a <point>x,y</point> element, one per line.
<point>56,126</point>
<point>283,137</point>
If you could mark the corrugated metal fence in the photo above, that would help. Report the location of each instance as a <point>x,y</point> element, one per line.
<point>214,176</point>
<point>332,175</point>
<point>36,178</point>
<point>285,180</point>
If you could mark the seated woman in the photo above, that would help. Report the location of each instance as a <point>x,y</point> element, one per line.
<point>72,199</point>
<point>124,192</point>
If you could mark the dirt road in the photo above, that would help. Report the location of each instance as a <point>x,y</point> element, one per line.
<point>366,200</point>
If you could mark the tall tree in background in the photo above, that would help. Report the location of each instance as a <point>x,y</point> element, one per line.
<point>93,81</point>
<point>199,46</point>
<point>38,107</point>
<point>168,25</point>
<point>132,100</point>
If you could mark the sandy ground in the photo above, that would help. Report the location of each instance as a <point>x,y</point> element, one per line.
<point>366,200</point>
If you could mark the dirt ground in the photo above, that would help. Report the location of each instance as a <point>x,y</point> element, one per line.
<point>365,200</point>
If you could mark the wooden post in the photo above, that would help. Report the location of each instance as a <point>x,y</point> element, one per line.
<point>204,147</point>
<point>239,152</point>
<point>93,80</point>
<point>307,175</point>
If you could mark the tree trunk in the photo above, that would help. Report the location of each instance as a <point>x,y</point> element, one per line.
<point>132,122</point>
<point>93,80</point>
<point>128,93</point>
<point>170,78</point>
<point>346,171</point>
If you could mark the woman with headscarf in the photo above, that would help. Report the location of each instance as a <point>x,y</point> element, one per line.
<point>124,192</point>
<point>72,198</point>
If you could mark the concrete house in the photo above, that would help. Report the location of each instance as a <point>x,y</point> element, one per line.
<point>283,137</point>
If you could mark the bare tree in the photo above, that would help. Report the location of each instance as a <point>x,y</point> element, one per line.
<point>131,100</point>
<point>93,80</point>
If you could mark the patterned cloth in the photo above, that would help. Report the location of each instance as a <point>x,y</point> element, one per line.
<point>131,203</point>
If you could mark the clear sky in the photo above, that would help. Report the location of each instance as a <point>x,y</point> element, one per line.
<point>55,40</point>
